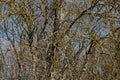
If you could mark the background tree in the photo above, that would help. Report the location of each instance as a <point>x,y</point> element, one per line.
<point>59,39</point>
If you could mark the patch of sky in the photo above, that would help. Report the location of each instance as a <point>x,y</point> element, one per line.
<point>1,32</point>
<point>103,32</point>
<point>75,0</point>
<point>76,46</point>
<point>80,27</point>
<point>95,24</point>
<point>117,23</point>
<point>37,10</point>
<point>10,25</point>
<point>48,29</point>
<point>50,2</point>
<point>96,9</point>
<point>5,8</point>
<point>73,28</point>
<point>100,8</point>
<point>36,1</point>
<point>87,20</point>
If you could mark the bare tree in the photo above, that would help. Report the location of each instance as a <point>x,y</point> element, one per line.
<point>59,39</point>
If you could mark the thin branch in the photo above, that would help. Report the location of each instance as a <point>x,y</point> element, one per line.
<point>80,16</point>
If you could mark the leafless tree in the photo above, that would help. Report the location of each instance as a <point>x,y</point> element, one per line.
<point>59,39</point>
